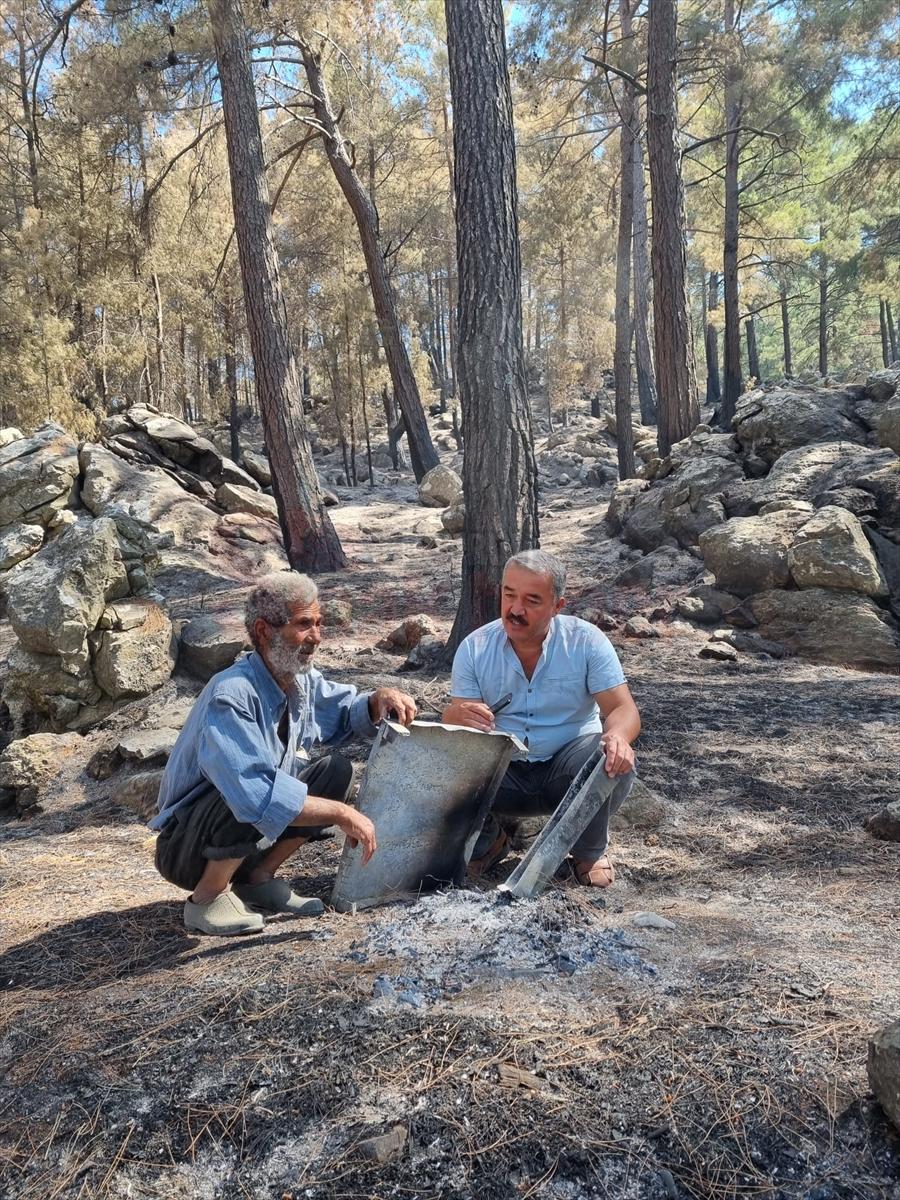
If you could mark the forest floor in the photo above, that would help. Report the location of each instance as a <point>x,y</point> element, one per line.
<point>547,1049</point>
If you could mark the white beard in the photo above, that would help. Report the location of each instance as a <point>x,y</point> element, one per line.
<point>285,660</point>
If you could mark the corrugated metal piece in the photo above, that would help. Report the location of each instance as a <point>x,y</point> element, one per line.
<point>427,790</point>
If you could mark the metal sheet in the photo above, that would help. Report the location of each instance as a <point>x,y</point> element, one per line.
<point>588,792</point>
<point>427,790</point>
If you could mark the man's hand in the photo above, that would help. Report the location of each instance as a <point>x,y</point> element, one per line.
<point>390,702</point>
<point>470,713</point>
<point>619,754</point>
<point>359,830</point>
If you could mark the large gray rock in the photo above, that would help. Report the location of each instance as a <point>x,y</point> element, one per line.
<point>768,423</point>
<point>806,472</point>
<point>56,598</point>
<point>257,465</point>
<point>184,446</point>
<point>38,476</point>
<point>211,642</point>
<point>234,498</point>
<point>18,542</point>
<point>883,1069</point>
<point>29,764</point>
<point>749,554</point>
<point>642,809</point>
<point>453,519</point>
<point>137,655</point>
<point>885,824</point>
<point>440,488</point>
<point>10,434</point>
<point>831,551</point>
<point>38,685</point>
<point>837,627</point>
<point>884,485</point>
<point>889,425</point>
<point>881,385</point>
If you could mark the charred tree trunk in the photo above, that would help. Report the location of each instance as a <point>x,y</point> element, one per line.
<point>643,358</point>
<point>365,417</point>
<point>892,335</point>
<point>310,541</point>
<point>421,451</point>
<point>711,342</point>
<point>622,352</point>
<point>885,340</point>
<point>786,333</point>
<point>752,350</point>
<point>733,112</point>
<point>502,504</point>
<point>231,383</point>
<point>678,411</point>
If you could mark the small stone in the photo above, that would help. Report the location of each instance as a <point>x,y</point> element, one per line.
<point>139,792</point>
<point>336,613</point>
<point>719,651</point>
<point>410,632</point>
<point>330,499</point>
<point>211,642</point>
<point>886,824</point>
<point>147,745</point>
<point>641,809</point>
<point>640,627</point>
<point>427,543</point>
<point>883,1069</point>
<point>650,920</point>
<point>385,1146</point>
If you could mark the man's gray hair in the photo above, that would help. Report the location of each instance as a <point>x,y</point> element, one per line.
<point>541,563</point>
<point>272,599</point>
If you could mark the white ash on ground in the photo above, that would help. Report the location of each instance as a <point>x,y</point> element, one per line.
<point>448,941</point>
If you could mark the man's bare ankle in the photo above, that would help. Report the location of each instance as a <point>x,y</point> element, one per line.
<point>260,875</point>
<point>206,895</point>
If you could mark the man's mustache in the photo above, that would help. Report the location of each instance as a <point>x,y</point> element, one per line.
<point>516,620</point>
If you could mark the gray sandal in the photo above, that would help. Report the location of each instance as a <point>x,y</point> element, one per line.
<point>276,896</point>
<point>223,917</point>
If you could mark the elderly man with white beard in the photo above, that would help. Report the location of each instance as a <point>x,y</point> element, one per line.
<point>239,794</point>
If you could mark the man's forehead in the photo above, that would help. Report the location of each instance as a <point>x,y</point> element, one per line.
<point>529,581</point>
<point>299,611</point>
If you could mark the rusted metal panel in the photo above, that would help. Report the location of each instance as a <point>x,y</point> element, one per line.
<point>427,790</point>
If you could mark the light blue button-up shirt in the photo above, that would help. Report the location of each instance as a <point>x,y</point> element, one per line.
<point>557,704</point>
<point>230,741</point>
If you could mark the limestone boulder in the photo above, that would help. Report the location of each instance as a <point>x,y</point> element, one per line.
<point>29,764</point>
<point>235,498</point>
<point>806,472</point>
<point>55,599</point>
<point>705,604</point>
<point>18,542</point>
<point>883,1069</point>
<point>37,685</point>
<point>889,425</point>
<point>750,554</point>
<point>211,642</point>
<point>261,530</point>
<point>257,465</point>
<point>137,653</point>
<point>883,484</point>
<point>622,501</point>
<point>885,824</point>
<point>643,809</point>
<point>441,488</point>
<point>38,476</point>
<point>881,385</point>
<point>832,551</point>
<point>770,422</point>
<point>336,614</point>
<point>836,627</point>
<point>453,519</point>
<point>181,443</point>
<point>139,792</point>
<point>410,632</point>
<point>10,434</point>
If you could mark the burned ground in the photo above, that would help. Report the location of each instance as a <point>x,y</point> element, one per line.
<point>552,1049</point>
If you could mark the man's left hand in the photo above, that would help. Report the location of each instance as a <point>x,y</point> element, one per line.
<point>619,754</point>
<point>390,702</point>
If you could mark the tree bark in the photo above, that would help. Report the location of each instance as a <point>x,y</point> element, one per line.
<point>786,333</point>
<point>622,352</point>
<point>711,343</point>
<point>310,540</point>
<point>234,417</point>
<point>678,410</point>
<point>892,335</point>
<point>646,379</point>
<point>823,306</point>
<point>733,112</point>
<point>499,467</point>
<point>752,349</point>
<point>885,341</point>
<point>422,453</point>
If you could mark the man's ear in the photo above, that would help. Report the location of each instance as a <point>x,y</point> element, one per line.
<point>560,604</point>
<point>261,631</point>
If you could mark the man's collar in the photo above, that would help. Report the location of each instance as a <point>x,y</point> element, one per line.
<point>268,686</point>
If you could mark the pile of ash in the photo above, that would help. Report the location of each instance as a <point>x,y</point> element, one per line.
<point>454,939</point>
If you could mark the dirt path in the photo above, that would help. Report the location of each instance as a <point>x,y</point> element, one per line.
<point>722,1058</point>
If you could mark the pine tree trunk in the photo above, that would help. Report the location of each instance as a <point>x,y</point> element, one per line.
<point>786,333</point>
<point>365,416</point>
<point>732,383</point>
<point>310,541</point>
<point>421,450</point>
<point>646,379</point>
<point>678,410</point>
<point>499,467</point>
<point>752,350</point>
<point>823,306</point>
<point>892,335</point>
<point>622,352</point>
<point>231,385</point>
<point>885,340</point>
<point>711,343</point>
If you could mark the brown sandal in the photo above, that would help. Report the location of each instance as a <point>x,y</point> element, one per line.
<point>599,874</point>
<point>497,852</point>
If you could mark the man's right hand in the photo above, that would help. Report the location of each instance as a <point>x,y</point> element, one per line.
<point>470,713</point>
<point>359,831</point>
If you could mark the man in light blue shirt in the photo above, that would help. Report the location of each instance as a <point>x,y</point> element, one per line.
<point>569,695</point>
<point>239,794</point>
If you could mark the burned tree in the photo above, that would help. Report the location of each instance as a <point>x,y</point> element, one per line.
<point>310,541</point>
<point>499,470</point>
